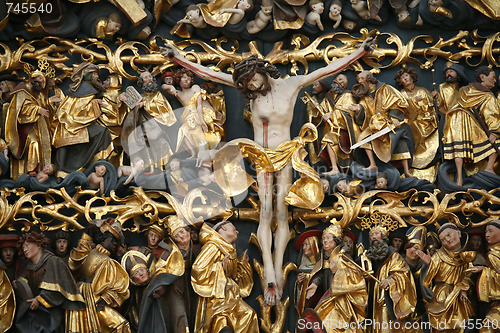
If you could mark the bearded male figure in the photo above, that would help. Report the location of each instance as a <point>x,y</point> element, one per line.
<point>27,129</point>
<point>271,100</point>
<point>79,139</point>
<point>394,294</point>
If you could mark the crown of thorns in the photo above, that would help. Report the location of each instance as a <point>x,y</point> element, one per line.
<point>244,71</point>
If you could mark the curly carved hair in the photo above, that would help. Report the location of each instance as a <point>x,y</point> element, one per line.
<point>32,237</point>
<point>245,71</point>
<point>409,70</point>
<point>178,75</point>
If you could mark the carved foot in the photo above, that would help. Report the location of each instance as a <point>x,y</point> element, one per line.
<point>371,167</point>
<point>334,171</point>
<point>272,294</point>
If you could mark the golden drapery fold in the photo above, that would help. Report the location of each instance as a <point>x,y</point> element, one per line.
<point>27,133</point>
<point>423,122</point>
<point>463,135</point>
<point>75,114</point>
<point>7,302</point>
<point>306,192</point>
<point>220,303</point>
<point>401,291</point>
<point>345,302</point>
<point>103,279</point>
<point>386,98</point>
<point>158,107</point>
<point>446,278</point>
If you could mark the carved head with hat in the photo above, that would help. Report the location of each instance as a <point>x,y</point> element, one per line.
<point>135,263</point>
<point>332,236</point>
<point>154,235</point>
<point>177,229</point>
<point>308,243</point>
<point>109,233</point>
<point>8,244</point>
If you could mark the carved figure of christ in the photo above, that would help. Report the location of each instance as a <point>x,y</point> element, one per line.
<point>272,112</point>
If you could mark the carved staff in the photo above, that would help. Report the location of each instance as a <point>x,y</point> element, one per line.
<point>438,118</point>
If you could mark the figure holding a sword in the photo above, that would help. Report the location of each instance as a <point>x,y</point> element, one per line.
<point>387,136</point>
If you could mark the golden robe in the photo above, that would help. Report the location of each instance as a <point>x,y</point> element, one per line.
<point>112,116</point>
<point>7,302</point>
<point>101,278</point>
<point>345,126</point>
<point>27,132</point>
<point>462,135</point>
<point>488,287</point>
<point>344,304</point>
<point>388,103</point>
<point>195,134</point>
<point>448,93</point>
<point>446,278</point>
<point>158,107</point>
<point>220,303</point>
<point>423,122</point>
<point>74,115</point>
<point>401,290</point>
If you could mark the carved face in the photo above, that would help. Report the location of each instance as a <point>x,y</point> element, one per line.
<point>191,121</point>
<point>48,169</point>
<point>406,80</point>
<point>31,250</point>
<point>317,88</point>
<point>489,80</point>
<point>62,246</point>
<point>450,238</point>
<point>267,10</point>
<point>147,77</point>
<point>182,237</point>
<point>8,255</point>
<point>342,80</point>
<point>306,247</point>
<point>318,8</point>
<point>325,185</point>
<point>328,242</point>
<point>100,170</point>
<point>450,73</point>
<point>257,83</point>
<point>412,252</point>
<point>381,183</point>
<point>169,80</point>
<point>492,235</point>
<point>343,187</point>
<point>140,276</point>
<point>362,77</point>
<point>175,165</point>
<point>4,87</point>
<point>38,83</point>
<point>113,27</point>
<point>397,243</point>
<point>335,10</point>
<point>348,243</point>
<point>193,15</point>
<point>244,5</point>
<point>153,238</point>
<point>230,232</point>
<point>185,81</point>
<point>375,234</point>
<point>475,242</point>
<point>110,244</point>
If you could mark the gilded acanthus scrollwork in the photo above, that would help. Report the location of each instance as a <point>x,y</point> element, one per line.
<point>128,57</point>
<point>56,209</point>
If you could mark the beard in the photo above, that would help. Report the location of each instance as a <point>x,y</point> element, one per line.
<point>337,88</point>
<point>150,87</point>
<point>378,250</point>
<point>452,79</point>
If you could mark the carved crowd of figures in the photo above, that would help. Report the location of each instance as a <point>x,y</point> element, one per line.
<point>266,19</point>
